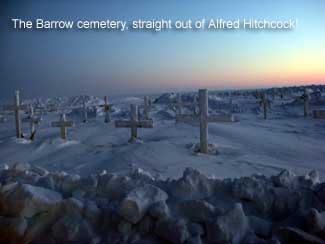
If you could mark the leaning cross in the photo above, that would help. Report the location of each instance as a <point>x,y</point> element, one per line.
<point>63,124</point>
<point>134,123</point>
<point>33,120</point>
<point>204,118</point>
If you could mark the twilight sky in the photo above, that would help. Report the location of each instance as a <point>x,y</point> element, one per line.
<point>56,63</point>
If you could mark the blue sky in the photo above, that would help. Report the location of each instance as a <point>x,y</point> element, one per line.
<point>57,63</point>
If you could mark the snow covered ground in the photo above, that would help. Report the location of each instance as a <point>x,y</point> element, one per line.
<point>253,145</point>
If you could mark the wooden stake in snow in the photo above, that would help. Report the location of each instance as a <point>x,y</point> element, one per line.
<point>63,124</point>
<point>204,118</point>
<point>305,98</point>
<point>84,111</point>
<point>107,110</point>
<point>134,123</point>
<point>17,108</point>
<point>33,120</point>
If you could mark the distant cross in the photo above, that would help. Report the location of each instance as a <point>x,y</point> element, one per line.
<point>179,104</point>
<point>63,124</point>
<point>84,110</point>
<point>305,98</point>
<point>204,118</point>
<point>107,110</point>
<point>265,103</point>
<point>33,120</point>
<point>134,123</point>
<point>146,108</point>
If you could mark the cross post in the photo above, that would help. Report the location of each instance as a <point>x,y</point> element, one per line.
<point>134,123</point>
<point>17,108</point>
<point>107,110</point>
<point>204,118</point>
<point>146,108</point>
<point>305,98</point>
<point>84,110</point>
<point>63,124</point>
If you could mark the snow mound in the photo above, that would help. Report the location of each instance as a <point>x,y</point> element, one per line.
<point>45,206</point>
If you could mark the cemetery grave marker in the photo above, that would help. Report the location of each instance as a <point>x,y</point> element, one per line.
<point>134,123</point>
<point>204,118</point>
<point>63,124</point>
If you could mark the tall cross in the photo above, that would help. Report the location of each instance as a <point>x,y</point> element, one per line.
<point>204,118</point>
<point>134,123</point>
<point>33,120</point>
<point>63,124</point>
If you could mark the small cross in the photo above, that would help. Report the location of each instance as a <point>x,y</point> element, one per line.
<point>264,102</point>
<point>204,118</point>
<point>179,104</point>
<point>134,123</point>
<point>146,107</point>
<point>63,124</point>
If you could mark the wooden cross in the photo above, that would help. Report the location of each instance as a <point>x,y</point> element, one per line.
<point>179,104</point>
<point>146,108</point>
<point>63,124</point>
<point>266,103</point>
<point>305,98</point>
<point>33,120</point>
<point>204,118</point>
<point>134,123</point>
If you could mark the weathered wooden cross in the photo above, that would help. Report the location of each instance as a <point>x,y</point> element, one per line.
<point>204,118</point>
<point>63,124</point>
<point>134,123</point>
<point>33,120</point>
